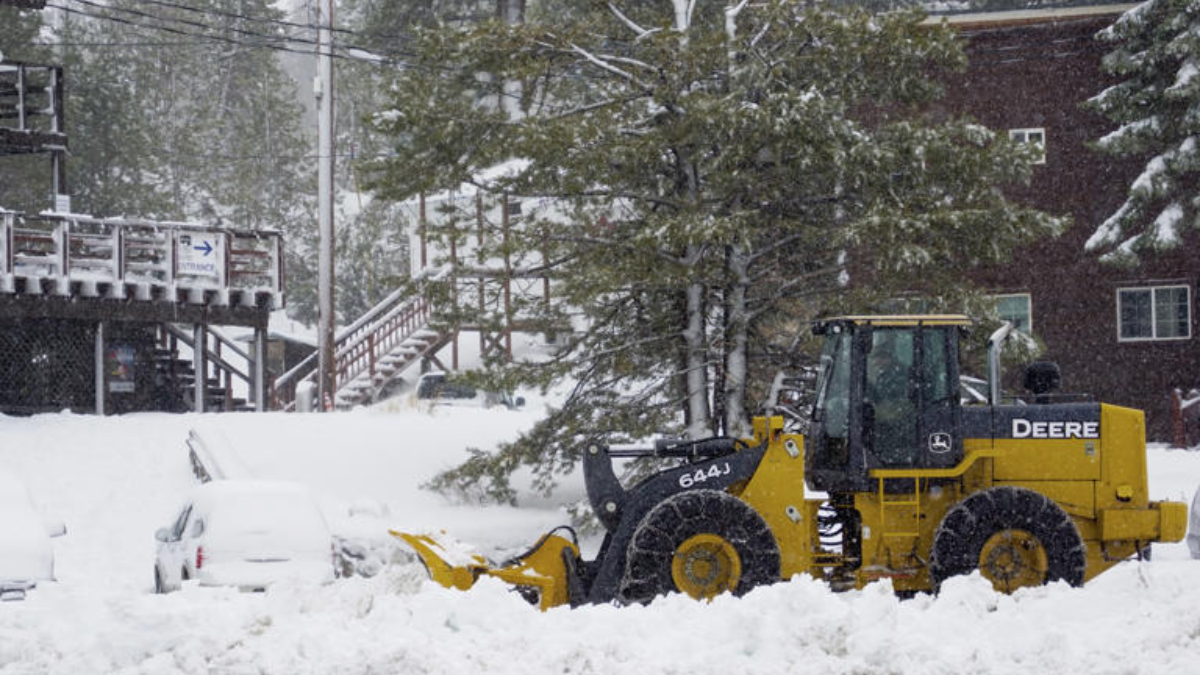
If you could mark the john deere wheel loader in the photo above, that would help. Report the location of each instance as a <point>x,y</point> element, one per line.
<point>917,488</point>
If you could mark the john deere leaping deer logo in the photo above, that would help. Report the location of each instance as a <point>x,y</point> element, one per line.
<point>939,443</point>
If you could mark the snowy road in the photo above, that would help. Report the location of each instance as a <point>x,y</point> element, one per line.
<point>115,480</point>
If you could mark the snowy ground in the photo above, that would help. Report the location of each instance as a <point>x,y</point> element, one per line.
<point>115,480</point>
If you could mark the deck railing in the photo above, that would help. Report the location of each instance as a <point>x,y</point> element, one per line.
<point>68,254</point>
<point>31,102</point>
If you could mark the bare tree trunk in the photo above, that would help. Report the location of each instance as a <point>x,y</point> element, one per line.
<point>699,417</point>
<point>511,13</point>
<point>737,422</point>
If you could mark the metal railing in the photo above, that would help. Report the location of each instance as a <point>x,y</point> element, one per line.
<point>93,256</point>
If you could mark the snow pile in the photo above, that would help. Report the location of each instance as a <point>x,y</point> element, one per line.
<point>115,480</point>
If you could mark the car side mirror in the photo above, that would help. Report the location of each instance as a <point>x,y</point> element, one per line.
<point>163,535</point>
<point>56,528</point>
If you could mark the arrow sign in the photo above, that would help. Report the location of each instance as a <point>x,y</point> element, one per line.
<point>200,256</point>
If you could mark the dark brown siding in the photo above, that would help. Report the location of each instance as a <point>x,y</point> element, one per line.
<point>1037,75</point>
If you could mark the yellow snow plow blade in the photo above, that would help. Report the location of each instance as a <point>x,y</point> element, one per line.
<point>540,575</point>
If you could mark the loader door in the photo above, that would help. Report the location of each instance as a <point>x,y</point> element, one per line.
<point>911,411</point>
<point>939,431</point>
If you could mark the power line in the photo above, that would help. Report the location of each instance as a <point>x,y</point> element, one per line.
<point>186,22</point>
<point>389,58</point>
<point>210,37</point>
<point>281,22</point>
<point>233,29</point>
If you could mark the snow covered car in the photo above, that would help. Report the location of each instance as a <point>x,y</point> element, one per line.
<point>1193,536</point>
<point>247,534</point>
<point>435,388</point>
<point>26,555</point>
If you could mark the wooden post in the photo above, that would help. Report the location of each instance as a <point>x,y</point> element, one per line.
<point>421,225</point>
<point>454,293</point>
<point>99,353</point>
<point>1178,434</point>
<point>479,259</point>
<point>199,365</point>
<point>260,369</point>
<point>508,318</point>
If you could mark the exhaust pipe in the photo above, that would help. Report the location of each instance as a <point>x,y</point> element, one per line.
<point>995,342</point>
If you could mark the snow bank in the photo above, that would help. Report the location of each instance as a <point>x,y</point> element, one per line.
<point>115,480</point>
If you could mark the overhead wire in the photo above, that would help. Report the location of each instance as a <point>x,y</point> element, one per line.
<point>281,22</point>
<point>272,43</point>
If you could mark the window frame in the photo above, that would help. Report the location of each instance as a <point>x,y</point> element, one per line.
<point>1024,133</point>
<point>1153,290</point>
<point>1028,301</point>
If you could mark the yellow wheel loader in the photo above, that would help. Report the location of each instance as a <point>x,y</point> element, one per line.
<point>903,480</point>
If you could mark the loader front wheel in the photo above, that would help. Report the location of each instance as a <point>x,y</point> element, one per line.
<point>1015,537</point>
<point>702,543</point>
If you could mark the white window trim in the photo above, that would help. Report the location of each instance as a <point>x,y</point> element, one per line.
<point>1154,313</point>
<point>1029,296</point>
<point>1012,134</point>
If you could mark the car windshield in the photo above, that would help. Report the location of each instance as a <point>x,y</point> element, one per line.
<point>437,387</point>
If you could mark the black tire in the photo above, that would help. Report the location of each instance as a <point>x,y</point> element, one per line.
<point>681,517</point>
<point>958,545</point>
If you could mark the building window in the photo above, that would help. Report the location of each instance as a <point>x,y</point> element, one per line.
<point>1154,313</point>
<point>1035,136</point>
<point>1017,310</point>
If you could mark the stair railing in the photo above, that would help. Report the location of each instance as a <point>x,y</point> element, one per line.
<point>225,370</point>
<point>359,346</point>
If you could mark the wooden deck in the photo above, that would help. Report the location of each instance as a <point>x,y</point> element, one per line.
<point>79,267</point>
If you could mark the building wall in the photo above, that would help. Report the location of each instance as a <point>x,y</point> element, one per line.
<point>1037,74</point>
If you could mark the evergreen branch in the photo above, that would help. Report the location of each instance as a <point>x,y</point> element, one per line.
<point>601,242</point>
<point>594,106</point>
<point>607,67</point>
<point>641,32</point>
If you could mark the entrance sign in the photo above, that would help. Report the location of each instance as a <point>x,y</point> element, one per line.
<point>201,254</point>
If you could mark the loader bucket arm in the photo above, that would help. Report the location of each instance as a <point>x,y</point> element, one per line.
<point>543,575</point>
<point>604,491</point>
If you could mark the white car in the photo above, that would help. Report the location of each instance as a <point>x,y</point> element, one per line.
<point>1193,536</point>
<point>26,555</point>
<point>247,534</point>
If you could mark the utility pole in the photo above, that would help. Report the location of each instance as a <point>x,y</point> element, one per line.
<point>325,152</point>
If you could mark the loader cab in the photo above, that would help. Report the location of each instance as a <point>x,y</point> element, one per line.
<point>887,397</point>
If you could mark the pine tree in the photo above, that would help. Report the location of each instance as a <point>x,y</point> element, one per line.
<point>710,176</point>
<point>1157,53</point>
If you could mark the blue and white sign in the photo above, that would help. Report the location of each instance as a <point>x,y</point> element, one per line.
<point>200,254</point>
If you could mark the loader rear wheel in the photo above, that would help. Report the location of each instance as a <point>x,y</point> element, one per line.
<point>702,543</point>
<point>1015,537</point>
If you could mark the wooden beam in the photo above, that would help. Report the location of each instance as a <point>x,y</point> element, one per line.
<point>99,352</point>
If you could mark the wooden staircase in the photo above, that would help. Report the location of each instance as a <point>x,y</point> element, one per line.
<point>369,354</point>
